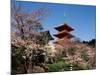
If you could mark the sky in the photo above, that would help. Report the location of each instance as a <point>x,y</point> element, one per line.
<point>82,18</point>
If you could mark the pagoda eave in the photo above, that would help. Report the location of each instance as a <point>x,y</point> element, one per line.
<point>64,27</point>
<point>62,35</point>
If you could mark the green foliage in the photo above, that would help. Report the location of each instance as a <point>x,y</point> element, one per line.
<point>62,66</point>
<point>71,51</point>
<point>60,59</point>
<point>82,67</point>
<point>84,55</point>
<point>91,43</point>
<point>87,67</point>
<point>59,66</point>
<point>17,59</point>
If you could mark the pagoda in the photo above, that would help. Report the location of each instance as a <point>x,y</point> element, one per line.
<point>64,36</point>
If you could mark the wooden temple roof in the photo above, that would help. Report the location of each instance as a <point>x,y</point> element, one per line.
<point>64,27</point>
<point>63,34</point>
<point>47,33</point>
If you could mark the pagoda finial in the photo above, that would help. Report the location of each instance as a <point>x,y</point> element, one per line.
<point>64,17</point>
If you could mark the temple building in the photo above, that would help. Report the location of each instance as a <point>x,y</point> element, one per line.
<point>46,36</point>
<point>64,35</point>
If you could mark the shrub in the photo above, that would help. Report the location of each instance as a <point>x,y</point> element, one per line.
<point>87,67</point>
<point>82,67</point>
<point>60,59</point>
<point>71,51</point>
<point>84,55</point>
<point>59,66</point>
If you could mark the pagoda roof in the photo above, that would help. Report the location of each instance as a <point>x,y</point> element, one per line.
<point>63,34</point>
<point>64,27</point>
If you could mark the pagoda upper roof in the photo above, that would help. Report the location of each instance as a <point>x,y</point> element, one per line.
<point>64,27</point>
<point>63,34</point>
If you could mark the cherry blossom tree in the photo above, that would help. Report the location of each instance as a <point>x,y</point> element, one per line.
<point>25,33</point>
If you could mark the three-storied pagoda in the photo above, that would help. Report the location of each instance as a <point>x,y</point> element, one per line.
<point>64,36</point>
